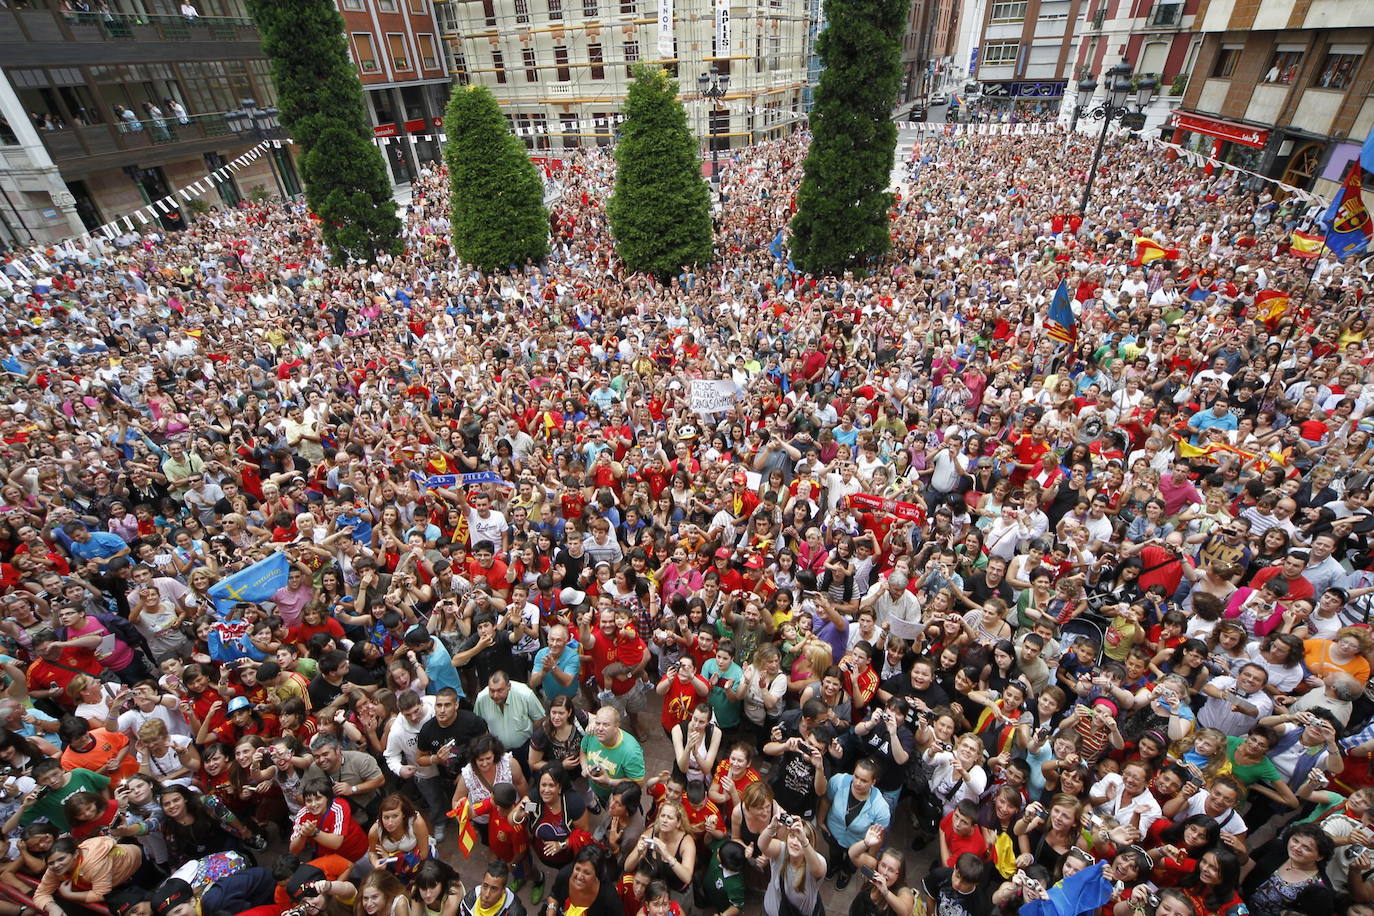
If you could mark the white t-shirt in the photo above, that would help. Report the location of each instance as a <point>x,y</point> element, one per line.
<point>1230,823</point>
<point>492,528</point>
<point>1143,804</point>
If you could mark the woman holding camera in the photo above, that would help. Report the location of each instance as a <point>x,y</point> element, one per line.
<point>798,869</point>
<point>1048,833</point>
<point>884,892</point>
<point>669,846</point>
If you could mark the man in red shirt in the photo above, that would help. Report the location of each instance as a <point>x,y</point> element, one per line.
<point>682,690</point>
<point>1163,561</point>
<point>616,655</point>
<point>1291,569</point>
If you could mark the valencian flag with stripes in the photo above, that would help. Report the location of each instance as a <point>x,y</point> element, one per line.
<point>1060,324</point>
<point>1347,222</point>
<point>1306,245</point>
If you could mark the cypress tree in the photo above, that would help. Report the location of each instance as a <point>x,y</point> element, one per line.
<point>497,198</point>
<point>843,202</point>
<point>321,102</point>
<point>660,212</point>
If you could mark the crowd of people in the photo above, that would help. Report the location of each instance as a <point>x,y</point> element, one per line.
<point>938,586</point>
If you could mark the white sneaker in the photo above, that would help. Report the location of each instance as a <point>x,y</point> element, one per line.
<point>439,832</point>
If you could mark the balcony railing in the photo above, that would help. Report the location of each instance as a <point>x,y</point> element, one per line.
<point>39,25</point>
<point>102,139</point>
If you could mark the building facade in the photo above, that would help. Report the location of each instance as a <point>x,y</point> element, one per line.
<point>1281,87</point>
<point>397,48</point>
<point>1019,53</point>
<point>104,113</point>
<point>1154,36</point>
<point>928,48</point>
<point>561,68</point>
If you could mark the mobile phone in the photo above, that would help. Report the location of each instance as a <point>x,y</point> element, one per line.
<point>867,872</point>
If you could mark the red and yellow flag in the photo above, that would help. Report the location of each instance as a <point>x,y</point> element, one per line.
<point>1147,250</point>
<point>1306,245</point>
<point>1271,305</point>
<point>467,834</point>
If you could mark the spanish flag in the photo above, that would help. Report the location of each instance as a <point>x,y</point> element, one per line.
<point>467,834</point>
<point>1271,305</point>
<point>1306,245</point>
<point>1147,250</point>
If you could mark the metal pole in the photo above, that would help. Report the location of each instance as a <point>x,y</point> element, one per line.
<point>715,154</point>
<point>1097,154</point>
<point>1292,330</point>
<point>272,164</point>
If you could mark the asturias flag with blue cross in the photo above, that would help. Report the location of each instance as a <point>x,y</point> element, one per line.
<point>1346,221</point>
<point>1061,325</point>
<point>258,582</point>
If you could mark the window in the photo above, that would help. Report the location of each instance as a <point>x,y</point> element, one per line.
<point>534,130</point>
<point>498,65</point>
<point>1013,11</point>
<point>567,126</point>
<point>560,60</point>
<point>1283,67</point>
<point>597,59</point>
<point>1338,70</point>
<point>460,68</point>
<point>489,11</point>
<point>429,57</point>
<point>591,9</point>
<point>774,52</point>
<point>396,46</point>
<point>555,9</point>
<point>1168,13</point>
<point>522,11</point>
<point>386,6</point>
<point>631,57</point>
<point>354,5</point>
<point>630,7</point>
<point>1002,52</point>
<point>1226,62</point>
<point>367,53</point>
<point>531,66</point>
<point>418,6</point>
<point>603,127</point>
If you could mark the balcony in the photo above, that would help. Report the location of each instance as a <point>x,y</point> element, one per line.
<point>1099,17</point>
<point>93,147</point>
<point>36,25</point>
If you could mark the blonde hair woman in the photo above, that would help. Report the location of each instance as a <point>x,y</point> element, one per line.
<point>798,868</point>
<point>668,847</point>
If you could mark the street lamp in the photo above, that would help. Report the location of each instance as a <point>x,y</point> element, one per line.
<point>252,122</point>
<point>1119,85</point>
<point>713,86</point>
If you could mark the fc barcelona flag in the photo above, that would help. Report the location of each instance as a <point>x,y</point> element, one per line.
<point>1061,325</point>
<point>1346,221</point>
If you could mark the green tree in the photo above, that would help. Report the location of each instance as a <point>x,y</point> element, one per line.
<point>497,198</point>
<point>843,202</point>
<point>660,212</point>
<point>321,102</point>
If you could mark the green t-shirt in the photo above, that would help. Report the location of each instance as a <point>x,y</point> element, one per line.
<point>49,807</point>
<point>1264,771</point>
<point>726,710</point>
<point>722,891</point>
<point>624,761</point>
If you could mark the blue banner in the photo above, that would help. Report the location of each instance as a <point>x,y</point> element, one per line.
<point>258,582</point>
<point>437,481</point>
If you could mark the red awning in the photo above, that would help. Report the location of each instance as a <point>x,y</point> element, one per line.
<point>1243,134</point>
